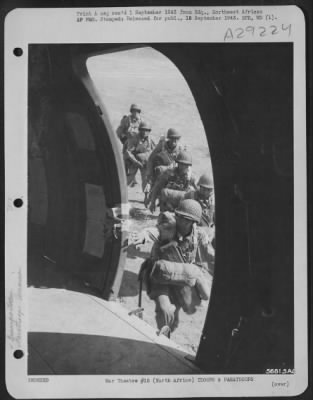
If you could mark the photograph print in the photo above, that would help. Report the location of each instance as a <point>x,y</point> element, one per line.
<point>160,209</point>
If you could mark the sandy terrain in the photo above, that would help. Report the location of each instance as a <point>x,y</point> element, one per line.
<point>146,77</point>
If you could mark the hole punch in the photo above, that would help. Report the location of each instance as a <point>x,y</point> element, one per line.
<point>18,354</point>
<point>18,203</point>
<point>17,51</point>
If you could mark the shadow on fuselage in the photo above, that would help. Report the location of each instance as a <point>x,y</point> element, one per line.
<point>79,354</point>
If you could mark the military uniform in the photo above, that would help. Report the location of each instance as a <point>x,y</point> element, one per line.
<point>178,272</point>
<point>207,205</point>
<point>163,155</point>
<point>136,151</point>
<point>170,187</point>
<point>128,127</point>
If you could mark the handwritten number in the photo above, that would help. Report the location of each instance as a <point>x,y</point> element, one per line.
<point>286,28</point>
<point>263,30</point>
<point>240,35</point>
<point>250,29</point>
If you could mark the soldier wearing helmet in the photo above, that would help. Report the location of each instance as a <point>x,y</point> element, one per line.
<point>165,153</point>
<point>204,195</point>
<point>136,151</point>
<point>129,124</point>
<point>178,273</point>
<point>172,184</point>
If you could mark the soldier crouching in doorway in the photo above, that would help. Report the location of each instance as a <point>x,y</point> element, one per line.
<point>177,273</point>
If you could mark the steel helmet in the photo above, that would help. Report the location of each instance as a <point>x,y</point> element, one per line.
<point>184,158</point>
<point>135,107</point>
<point>173,134</point>
<point>206,180</point>
<point>189,209</point>
<point>144,126</point>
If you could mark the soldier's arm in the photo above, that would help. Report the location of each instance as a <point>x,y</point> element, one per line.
<point>190,195</point>
<point>130,156</point>
<point>147,235</point>
<point>153,145</point>
<point>128,149</point>
<point>193,181</point>
<point>159,185</point>
<point>151,159</point>
<point>206,252</point>
<point>122,128</point>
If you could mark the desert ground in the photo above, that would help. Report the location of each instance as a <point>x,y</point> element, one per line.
<point>146,77</point>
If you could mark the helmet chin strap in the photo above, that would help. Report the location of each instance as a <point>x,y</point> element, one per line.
<point>171,145</point>
<point>188,173</point>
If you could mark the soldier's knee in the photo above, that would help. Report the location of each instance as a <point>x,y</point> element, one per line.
<point>163,303</point>
<point>165,308</point>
